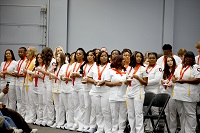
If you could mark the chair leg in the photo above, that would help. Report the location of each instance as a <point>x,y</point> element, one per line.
<point>167,125</point>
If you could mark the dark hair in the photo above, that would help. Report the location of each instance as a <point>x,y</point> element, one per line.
<point>126,50</point>
<point>62,59</point>
<point>189,54</point>
<point>71,55</point>
<point>13,56</point>
<point>166,71</point>
<point>117,62</point>
<point>167,47</point>
<point>133,59</point>
<point>114,51</point>
<point>99,55</point>
<point>86,61</point>
<point>47,55</point>
<point>153,53</point>
<point>23,48</point>
<point>84,54</point>
<point>36,61</point>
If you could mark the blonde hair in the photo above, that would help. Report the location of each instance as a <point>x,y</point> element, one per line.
<point>55,51</point>
<point>181,52</point>
<point>197,45</point>
<point>33,51</point>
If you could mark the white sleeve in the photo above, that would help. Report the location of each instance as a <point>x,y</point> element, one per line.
<point>157,77</point>
<point>1,95</point>
<point>108,75</point>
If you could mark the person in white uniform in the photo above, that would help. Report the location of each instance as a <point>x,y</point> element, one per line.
<point>78,97</point>
<point>167,87</point>
<point>186,79</point>
<point>56,89</point>
<point>20,90</point>
<point>85,69</point>
<point>29,85</point>
<point>154,72</point>
<point>7,75</point>
<point>115,79</point>
<point>66,95</point>
<point>138,78</point>
<point>167,51</point>
<point>100,111</point>
<point>37,95</point>
<point>197,58</point>
<point>48,112</point>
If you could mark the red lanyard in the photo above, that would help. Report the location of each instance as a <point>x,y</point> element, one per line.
<point>73,80</point>
<point>182,72</point>
<point>77,67</point>
<point>118,72</point>
<point>88,69</point>
<point>20,64</point>
<point>6,65</point>
<point>150,69</point>
<point>100,73</point>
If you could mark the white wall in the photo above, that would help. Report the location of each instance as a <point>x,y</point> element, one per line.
<point>186,24</point>
<point>116,24</point>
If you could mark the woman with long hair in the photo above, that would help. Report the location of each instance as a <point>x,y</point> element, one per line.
<point>38,79</point>
<point>29,85</point>
<point>99,94</point>
<point>49,61</point>
<point>137,80</point>
<point>186,94</point>
<point>56,89</point>
<point>66,100</point>
<point>8,67</point>
<point>115,80</point>
<point>85,69</point>
<point>167,87</point>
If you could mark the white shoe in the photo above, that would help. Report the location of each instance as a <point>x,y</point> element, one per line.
<point>73,128</point>
<point>63,126</point>
<point>49,123</point>
<point>54,125</point>
<point>91,130</point>
<point>18,130</point>
<point>85,130</point>
<point>68,127</point>
<point>44,123</point>
<point>58,126</point>
<point>80,129</point>
<point>29,121</point>
<point>34,130</point>
<point>39,122</point>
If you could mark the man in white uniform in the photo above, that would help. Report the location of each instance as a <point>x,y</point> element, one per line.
<point>167,51</point>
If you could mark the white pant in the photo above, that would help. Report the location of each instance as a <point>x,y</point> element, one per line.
<point>67,109</point>
<point>101,108</point>
<point>171,115</point>
<point>87,100</point>
<point>135,114</point>
<point>30,105</point>
<point>187,113</point>
<point>79,107</point>
<point>10,98</point>
<point>57,107</point>
<point>48,112</point>
<point>119,116</point>
<point>20,95</point>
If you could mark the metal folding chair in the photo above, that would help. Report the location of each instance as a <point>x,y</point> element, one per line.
<point>159,101</point>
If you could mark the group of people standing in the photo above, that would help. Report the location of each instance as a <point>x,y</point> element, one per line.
<point>94,92</point>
